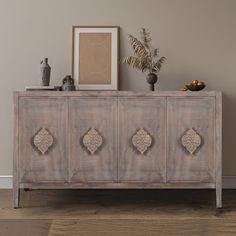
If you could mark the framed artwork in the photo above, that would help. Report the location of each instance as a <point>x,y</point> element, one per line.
<point>95,57</point>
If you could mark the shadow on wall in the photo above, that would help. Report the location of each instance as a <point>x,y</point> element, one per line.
<point>229,132</point>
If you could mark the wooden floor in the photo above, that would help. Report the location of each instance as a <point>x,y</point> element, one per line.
<point>118,212</point>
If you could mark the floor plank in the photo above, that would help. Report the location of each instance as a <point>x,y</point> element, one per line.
<point>25,227</point>
<point>118,212</point>
<point>201,227</point>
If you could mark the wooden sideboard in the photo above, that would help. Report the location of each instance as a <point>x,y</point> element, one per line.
<point>118,139</point>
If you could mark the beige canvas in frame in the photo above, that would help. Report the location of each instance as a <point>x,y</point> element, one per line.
<point>95,58</point>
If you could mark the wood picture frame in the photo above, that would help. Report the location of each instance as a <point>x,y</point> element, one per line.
<point>95,57</point>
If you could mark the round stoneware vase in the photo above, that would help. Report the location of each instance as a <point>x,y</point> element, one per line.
<point>152,79</point>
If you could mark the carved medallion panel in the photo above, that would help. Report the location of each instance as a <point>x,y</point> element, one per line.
<point>43,140</point>
<point>92,140</point>
<point>191,140</point>
<point>190,149</point>
<point>142,140</point>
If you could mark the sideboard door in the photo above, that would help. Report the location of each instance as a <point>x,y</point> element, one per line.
<point>93,139</point>
<point>42,139</point>
<point>190,139</point>
<point>142,137</point>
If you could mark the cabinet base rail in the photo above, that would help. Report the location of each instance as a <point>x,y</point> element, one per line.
<point>116,186</point>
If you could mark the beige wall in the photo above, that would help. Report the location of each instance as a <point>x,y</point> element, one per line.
<point>197,36</point>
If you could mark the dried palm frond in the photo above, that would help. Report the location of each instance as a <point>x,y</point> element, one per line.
<point>155,52</point>
<point>138,47</point>
<point>145,57</point>
<point>146,38</point>
<point>157,65</point>
<point>135,63</point>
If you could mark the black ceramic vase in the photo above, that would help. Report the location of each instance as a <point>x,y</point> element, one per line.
<point>152,79</point>
<point>68,84</point>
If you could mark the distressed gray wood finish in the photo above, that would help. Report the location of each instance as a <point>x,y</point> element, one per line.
<point>117,115</point>
<point>119,185</point>
<point>149,114</point>
<point>34,114</point>
<point>184,114</point>
<point>16,183</point>
<point>218,150</point>
<point>100,114</point>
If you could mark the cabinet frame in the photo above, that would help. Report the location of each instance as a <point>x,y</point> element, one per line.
<point>216,184</point>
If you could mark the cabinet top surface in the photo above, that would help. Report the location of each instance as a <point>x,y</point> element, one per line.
<point>116,93</point>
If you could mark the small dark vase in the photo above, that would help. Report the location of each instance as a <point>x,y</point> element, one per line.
<point>68,84</point>
<point>45,72</point>
<point>152,79</point>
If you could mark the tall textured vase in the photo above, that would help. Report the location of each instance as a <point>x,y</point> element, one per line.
<point>45,72</point>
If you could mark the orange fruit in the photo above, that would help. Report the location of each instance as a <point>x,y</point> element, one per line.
<point>194,82</point>
<point>200,83</point>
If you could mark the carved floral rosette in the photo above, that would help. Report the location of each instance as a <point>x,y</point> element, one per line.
<point>141,140</point>
<point>92,140</point>
<point>191,140</point>
<point>43,140</point>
